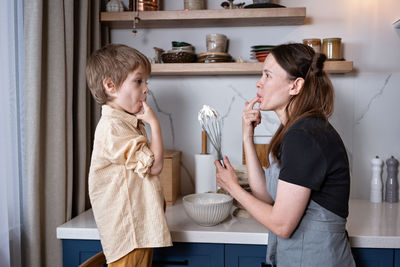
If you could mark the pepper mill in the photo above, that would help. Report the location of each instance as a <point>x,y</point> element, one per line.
<point>392,185</point>
<point>376,181</point>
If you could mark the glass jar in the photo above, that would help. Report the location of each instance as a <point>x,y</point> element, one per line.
<point>314,43</point>
<point>331,47</point>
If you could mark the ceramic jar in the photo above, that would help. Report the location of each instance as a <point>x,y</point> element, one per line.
<point>314,43</point>
<point>193,4</point>
<point>331,47</point>
<point>114,6</point>
<point>216,42</point>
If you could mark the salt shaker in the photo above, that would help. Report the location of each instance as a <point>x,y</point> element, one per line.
<point>392,185</point>
<point>376,181</point>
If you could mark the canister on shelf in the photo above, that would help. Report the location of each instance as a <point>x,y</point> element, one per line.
<point>148,5</point>
<point>193,4</point>
<point>314,43</point>
<point>331,47</point>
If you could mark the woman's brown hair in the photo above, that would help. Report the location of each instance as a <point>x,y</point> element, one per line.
<point>315,99</point>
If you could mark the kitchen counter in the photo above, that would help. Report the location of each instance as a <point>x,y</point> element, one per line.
<point>369,226</point>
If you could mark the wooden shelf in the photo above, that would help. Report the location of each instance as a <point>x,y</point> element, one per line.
<point>251,68</point>
<point>206,18</point>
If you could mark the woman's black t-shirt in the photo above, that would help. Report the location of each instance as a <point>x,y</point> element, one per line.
<point>313,155</point>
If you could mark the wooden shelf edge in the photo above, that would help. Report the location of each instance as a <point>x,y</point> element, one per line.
<point>248,68</point>
<point>206,18</point>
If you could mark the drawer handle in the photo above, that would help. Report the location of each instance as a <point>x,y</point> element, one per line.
<point>180,263</point>
<point>263,264</point>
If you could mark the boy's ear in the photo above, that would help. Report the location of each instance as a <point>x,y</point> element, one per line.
<point>109,86</point>
<point>296,86</point>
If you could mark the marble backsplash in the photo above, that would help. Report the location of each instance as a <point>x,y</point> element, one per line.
<point>365,108</point>
<point>367,100</point>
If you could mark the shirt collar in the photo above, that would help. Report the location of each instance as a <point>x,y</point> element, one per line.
<point>107,110</point>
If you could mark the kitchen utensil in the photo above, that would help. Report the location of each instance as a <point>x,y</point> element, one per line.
<point>207,209</point>
<point>210,121</point>
<point>203,142</point>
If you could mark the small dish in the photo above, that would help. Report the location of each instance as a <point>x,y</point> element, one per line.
<point>179,44</point>
<point>264,5</point>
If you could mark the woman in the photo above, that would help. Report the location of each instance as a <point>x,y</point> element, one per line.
<point>302,197</point>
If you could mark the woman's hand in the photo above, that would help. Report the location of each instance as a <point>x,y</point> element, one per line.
<point>226,177</point>
<point>250,119</point>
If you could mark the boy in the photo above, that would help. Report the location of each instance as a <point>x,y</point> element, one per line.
<point>124,189</point>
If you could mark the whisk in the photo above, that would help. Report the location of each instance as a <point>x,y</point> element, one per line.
<point>210,121</point>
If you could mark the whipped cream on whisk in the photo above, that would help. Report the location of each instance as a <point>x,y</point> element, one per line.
<point>207,111</point>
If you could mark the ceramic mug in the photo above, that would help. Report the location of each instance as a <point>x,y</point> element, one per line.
<point>216,42</point>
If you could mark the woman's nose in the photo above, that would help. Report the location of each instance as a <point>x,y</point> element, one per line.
<point>258,83</point>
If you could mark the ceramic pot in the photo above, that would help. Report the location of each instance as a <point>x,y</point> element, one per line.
<point>114,6</point>
<point>193,4</point>
<point>216,42</point>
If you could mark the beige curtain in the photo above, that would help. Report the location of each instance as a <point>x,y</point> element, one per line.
<point>59,116</point>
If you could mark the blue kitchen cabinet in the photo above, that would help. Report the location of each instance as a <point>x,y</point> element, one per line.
<point>181,254</point>
<point>77,251</point>
<point>245,255</point>
<point>373,257</point>
<point>218,255</point>
<point>397,258</point>
<point>190,254</point>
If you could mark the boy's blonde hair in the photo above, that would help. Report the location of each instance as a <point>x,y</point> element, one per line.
<point>114,61</point>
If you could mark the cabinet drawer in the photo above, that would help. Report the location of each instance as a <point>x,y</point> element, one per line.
<point>373,257</point>
<point>245,255</point>
<point>76,252</point>
<point>190,254</point>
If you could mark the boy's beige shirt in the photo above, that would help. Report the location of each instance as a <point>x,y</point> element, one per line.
<point>127,202</point>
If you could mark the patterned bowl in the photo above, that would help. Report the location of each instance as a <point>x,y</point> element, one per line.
<point>207,209</point>
<point>178,57</point>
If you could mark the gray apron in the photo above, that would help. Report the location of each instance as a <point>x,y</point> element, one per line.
<point>320,239</point>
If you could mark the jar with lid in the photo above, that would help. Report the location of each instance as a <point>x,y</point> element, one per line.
<point>314,43</point>
<point>331,47</point>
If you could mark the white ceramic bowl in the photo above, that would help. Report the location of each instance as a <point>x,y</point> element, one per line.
<point>207,209</point>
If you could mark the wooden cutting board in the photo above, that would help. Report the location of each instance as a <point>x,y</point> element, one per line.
<point>261,150</point>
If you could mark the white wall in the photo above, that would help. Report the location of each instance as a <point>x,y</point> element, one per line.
<point>366,111</point>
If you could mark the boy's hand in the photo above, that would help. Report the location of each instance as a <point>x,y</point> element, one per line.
<point>147,114</point>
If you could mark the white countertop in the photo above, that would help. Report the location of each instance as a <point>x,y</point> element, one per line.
<point>369,225</point>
